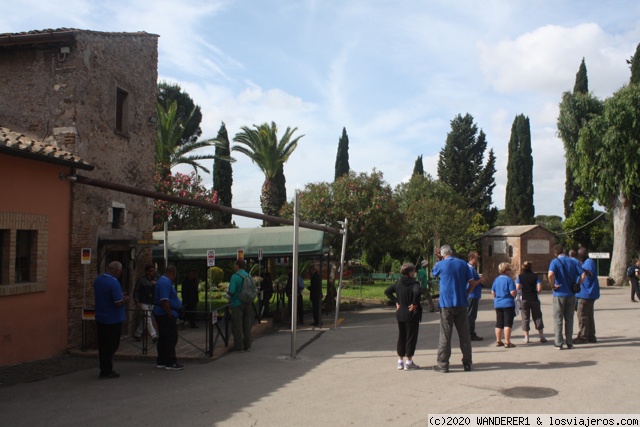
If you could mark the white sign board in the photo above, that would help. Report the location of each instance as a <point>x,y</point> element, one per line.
<point>211,258</point>
<point>599,255</point>
<point>538,246</point>
<point>499,247</point>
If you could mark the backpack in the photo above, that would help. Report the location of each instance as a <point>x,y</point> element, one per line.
<point>249,291</point>
<point>631,271</point>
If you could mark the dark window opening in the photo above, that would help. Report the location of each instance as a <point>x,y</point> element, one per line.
<point>122,120</point>
<point>117,217</point>
<point>490,250</point>
<point>510,251</point>
<point>25,240</point>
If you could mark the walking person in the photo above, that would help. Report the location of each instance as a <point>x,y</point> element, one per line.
<point>165,311</point>
<point>589,293</point>
<point>633,274</point>
<point>315,289</point>
<point>454,276</point>
<point>474,293</point>
<point>110,305</point>
<point>528,283</point>
<point>241,312</point>
<point>504,292</point>
<point>405,294</point>
<point>266,287</point>
<point>423,279</point>
<point>143,298</point>
<point>562,272</point>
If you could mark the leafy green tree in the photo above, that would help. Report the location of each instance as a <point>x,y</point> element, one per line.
<point>170,151</point>
<point>418,168</point>
<point>223,173</point>
<point>519,196</point>
<point>342,158</point>
<point>582,227</point>
<point>262,146</point>
<point>576,109</point>
<point>607,170</point>
<point>188,113</point>
<point>461,165</point>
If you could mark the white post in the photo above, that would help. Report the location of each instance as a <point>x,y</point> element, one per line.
<point>344,248</point>
<point>294,275</point>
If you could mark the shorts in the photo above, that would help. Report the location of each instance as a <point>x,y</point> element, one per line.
<point>504,317</point>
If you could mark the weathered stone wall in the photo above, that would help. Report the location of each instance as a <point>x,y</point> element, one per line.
<point>72,98</point>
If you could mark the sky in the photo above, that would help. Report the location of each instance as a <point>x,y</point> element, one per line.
<point>393,73</point>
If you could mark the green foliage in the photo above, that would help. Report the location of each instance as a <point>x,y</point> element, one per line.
<point>216,275</point>
<point>634,64</point>
<point>431,209</point>
<point>519,196</point>
<point>262,146</point>
<point>461,165</point>
<point>582,81</point>
<point>281,187</point>
<point>471,239</point>
<point>223,173</point>
<point>187,112</point>
<point>552,223</point>
<point>342,158</point>
<point>580,227</point>
<point>418,168</point>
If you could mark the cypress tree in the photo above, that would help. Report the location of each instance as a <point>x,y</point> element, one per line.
<point>418,168</point>
<point>634,64</point>
<point>582,81</point>
<point>342,158</point>
<point>461,165</point>
<point>223,174</point>
<point>519,196</point>
<point>281,185</point>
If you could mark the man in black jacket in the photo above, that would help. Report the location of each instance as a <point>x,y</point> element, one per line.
<point>315,288</point>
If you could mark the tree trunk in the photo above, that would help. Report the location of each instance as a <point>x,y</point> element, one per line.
<point>621,226</point>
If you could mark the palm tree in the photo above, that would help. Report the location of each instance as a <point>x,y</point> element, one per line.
<point>261,145</point>
<point>170,151</point>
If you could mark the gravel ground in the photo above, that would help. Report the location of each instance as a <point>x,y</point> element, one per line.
<point>42,369</point>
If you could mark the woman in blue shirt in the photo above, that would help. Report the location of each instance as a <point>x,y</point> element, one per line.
<point>504,292</point>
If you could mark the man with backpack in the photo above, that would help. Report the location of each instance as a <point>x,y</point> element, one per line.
<point>241,287</point>
<point>632,274</point>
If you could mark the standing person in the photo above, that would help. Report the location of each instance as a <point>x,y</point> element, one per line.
<point>240,311</point>
<point>289,291</point>
<point>266,286</point>
<point>190,298</point>
<point>589,293</point>
<point>529,284</point>
<point>405,294</point>
<point>633,273</point>
<point>143,298</point>
<point>474,293</point>
<point>562,271</point>
<point>315,289</point>
<point>109,306</point>
<point>454,275</point>
<point>165,310</point>
<point>504,292</point>
<point>423,279</point>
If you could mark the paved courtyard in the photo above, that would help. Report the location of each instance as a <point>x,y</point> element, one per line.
<point>348,377</point>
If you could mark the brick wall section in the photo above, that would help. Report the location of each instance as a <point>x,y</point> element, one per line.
<point>72,99</point>
<point>519,243</point>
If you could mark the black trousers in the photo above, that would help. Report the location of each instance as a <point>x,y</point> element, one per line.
<point>300,308</point>
<point>190,309</point>
<point>635,288</point>
<point>407,338</point>
<point>266,298</point>
<point>167,339</point>
<point>316,301</point>
<point>108,343</point>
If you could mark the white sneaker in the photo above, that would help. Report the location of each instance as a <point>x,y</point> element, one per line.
<point>410,366</point>
<point>400,366</point>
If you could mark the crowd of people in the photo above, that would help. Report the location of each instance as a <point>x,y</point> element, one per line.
<point>575,289</point>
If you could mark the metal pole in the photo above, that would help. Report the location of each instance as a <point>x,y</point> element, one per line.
<point>166,244</point>
<point>294,275</point>
<point>344,248</point>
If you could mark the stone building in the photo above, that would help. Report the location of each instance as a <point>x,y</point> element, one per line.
<point>516,244</point>
<point>93,94</point>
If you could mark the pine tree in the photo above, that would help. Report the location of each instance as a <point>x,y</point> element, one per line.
<point>519,195</point>
<point>418,168</point>
<point>223,174</point>
<point>342,158</point>
<point>461,165</point>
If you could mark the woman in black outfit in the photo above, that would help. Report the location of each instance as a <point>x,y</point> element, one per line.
<point>405,293</point>
<point>529,284</point>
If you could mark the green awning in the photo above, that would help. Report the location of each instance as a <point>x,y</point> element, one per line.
<point>274,242</point>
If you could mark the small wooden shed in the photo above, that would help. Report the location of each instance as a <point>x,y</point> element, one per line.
<point>516,244</point>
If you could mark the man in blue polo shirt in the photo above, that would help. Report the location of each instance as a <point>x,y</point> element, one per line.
<point>589,293</point>
<point>454,276</point>
<point>563,271</point>
<point>109,306</point>
<point>474,291</point>
<point>165,312</point>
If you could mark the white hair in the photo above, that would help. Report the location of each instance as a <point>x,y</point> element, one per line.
<point>114,267</point>
<point>445,250</point>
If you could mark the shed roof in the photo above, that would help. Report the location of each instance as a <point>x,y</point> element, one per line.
<point>17,144</point>
<point>274,241</point>
<point>56,35</point>
<point>512,230</point>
